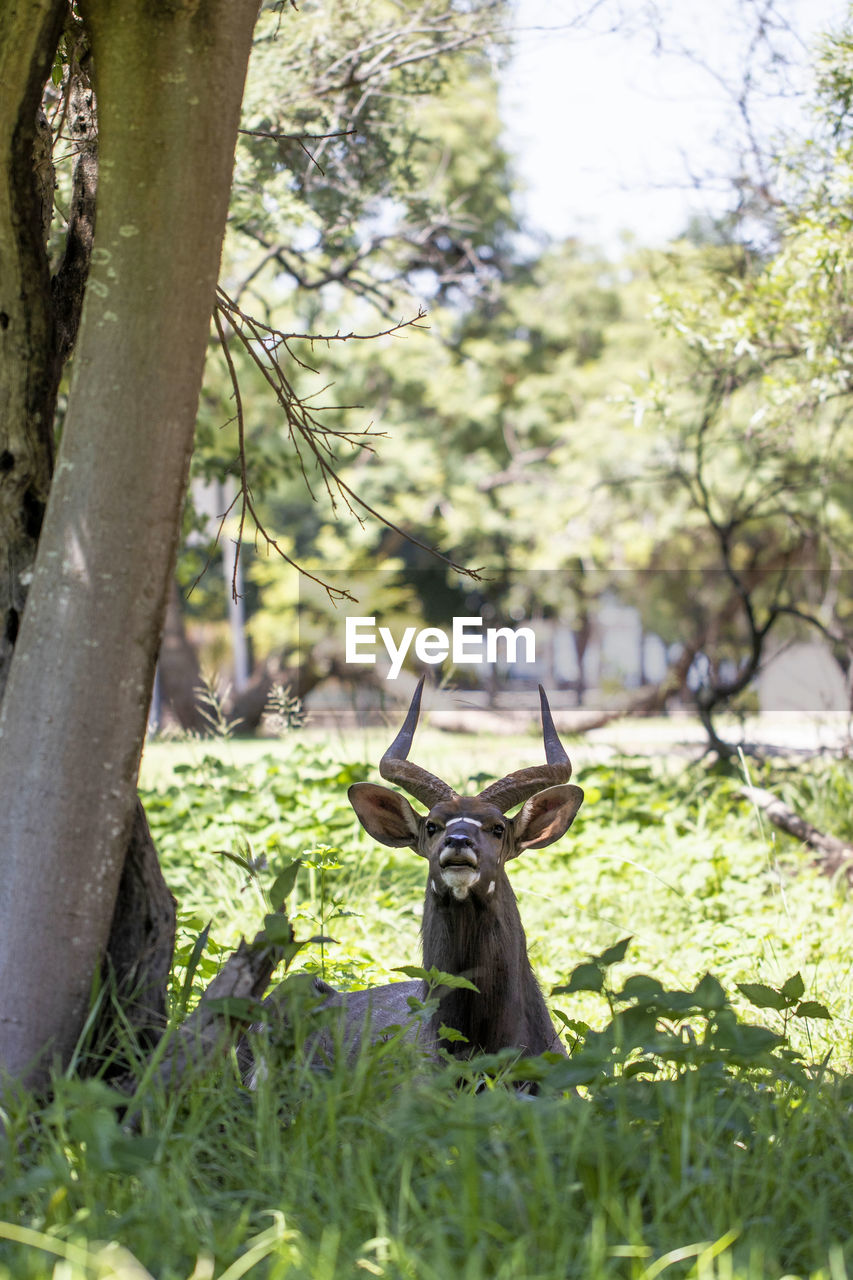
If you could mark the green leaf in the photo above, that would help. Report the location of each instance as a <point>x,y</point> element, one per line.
<point>585,977</point>
<point>582,1068</point>
<point>613,954</point>
<point>634,1025</point>
<point>449,1033</point>
<point>811,1009</point>
<point>278,930</point>
<point>579,1027</point>
<point>640,1067</point>
<point>640,987</point>
<point>245,864</point>
<point>793,989</point>
<point>437,977</point>
<point>669,1046</point>
<point>709,994</point>
<point>421,1006</point>
<point>194,961</point>
<point>762,996</point>
<point>283,884</point>
<point>745,1040</point>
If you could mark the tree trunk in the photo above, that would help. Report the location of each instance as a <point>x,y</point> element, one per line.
<point>139,949</point>
<point>169,80</point>
<point>180,673</point>
<point>28,367</point>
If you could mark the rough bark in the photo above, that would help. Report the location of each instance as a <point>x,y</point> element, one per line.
<point>69,284</point>
<point>169,79</point>
<point>28,366</point>
<point>140,946</point>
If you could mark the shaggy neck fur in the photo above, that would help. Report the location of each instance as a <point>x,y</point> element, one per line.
<point>482,939</point>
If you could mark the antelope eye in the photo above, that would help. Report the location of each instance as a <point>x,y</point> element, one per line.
<point>498,829</point>
<point>431,828</point>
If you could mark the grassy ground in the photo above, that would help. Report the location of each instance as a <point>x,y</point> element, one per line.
<point>693,1144</point>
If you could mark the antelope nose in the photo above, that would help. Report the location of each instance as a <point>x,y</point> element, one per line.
<point>457,849</point>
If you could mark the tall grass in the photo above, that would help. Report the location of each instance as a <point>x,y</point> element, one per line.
<point>668,1153</point>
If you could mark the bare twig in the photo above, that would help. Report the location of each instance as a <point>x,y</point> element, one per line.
<point>299,139</point>
<point>244,495</point>
<point>295,137</point>
<point>313,441</point>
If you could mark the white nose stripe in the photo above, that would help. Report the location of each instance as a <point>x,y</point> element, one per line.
<point>473,821</point>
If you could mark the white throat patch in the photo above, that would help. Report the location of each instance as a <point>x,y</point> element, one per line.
<point>460,880</point>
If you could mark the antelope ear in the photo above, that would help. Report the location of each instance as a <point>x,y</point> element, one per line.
<point>546,816</point>
<point>387,816</point>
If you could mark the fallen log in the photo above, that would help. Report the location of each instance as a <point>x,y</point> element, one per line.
<point>833,854</point>
<point>229,1003</point>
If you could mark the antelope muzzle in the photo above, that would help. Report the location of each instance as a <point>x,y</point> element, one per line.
<point>458,858</point>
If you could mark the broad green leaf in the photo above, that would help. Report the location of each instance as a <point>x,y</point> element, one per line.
<point>278,930</point>
<point>794,988</point>
<point>613,955</point>
<point>640,987</point>
<point>745,1040</point>
<point>585,977</point>
<point>450,1034</point>
<point>709,993</point>
<point>436,977</point>
<point>762,996</point>
<point>283,884</point>
<point>812,1009</point>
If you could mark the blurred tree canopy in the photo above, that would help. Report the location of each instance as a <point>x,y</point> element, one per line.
<point>370,151</point>
<point>675,424</point>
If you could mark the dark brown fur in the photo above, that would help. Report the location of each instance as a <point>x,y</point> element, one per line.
<point>471,926</point>
<point>483,940</point>
<point>476,931</point>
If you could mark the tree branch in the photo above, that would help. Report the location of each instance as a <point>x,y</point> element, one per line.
<point>833,854</point>
<point>262,343</point>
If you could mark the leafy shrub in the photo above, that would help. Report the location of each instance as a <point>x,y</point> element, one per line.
<point>698,1127</point>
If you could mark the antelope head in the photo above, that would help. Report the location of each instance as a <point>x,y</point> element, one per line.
<point>467,840</point>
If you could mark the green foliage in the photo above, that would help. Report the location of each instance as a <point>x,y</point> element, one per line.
<point>236,839</point>
<point>370,176</point>
<point>656,1031</point>
<point>688,1132</point>
<point>686,410</point>
<point>650,852</point>
<point>481,448</point>
<point>371,146</point>
<point>435,978</point>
